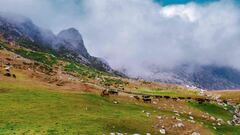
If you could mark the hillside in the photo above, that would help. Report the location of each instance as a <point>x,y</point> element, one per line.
<point>50,84</point>
<point>50,94</point>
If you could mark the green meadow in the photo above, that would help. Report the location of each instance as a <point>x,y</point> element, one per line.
<point>38,111</point>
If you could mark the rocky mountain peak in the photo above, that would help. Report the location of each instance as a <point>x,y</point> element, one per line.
<point>72,40</point>
<point>70,34</point>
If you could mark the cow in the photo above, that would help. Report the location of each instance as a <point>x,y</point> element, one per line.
<point>14,76</point>
<point>225,101</point>
<point>145,96</point>
<point>200,100</point>
<point>8,59</point>
<point>166,97</point>
<point>113,92</point>
<point>147,100</point>
<point>158,97</point>
<point>7,74</point>
<point>137,97</point>
<point>182,98</point>
<point>104,93</point>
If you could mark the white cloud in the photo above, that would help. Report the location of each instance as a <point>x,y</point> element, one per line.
<point>137,34</point>
<point>186,12</point>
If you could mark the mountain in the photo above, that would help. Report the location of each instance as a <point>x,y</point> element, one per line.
<point>72,40</point>
<point>210,77</point>
<point>68,43</point>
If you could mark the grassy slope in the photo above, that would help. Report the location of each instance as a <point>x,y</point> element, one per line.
<point>33,110</point>
<point>29,107</point>
<point>218,112</point>
<point>213,109</point>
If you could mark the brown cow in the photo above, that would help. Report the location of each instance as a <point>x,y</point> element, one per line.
<point>7,74</point>
<point>113,92</point>
<point>137,97</point>
<point>147,100</point>
<point>14,76</point>
<point>158,97</point>
<point>166,97</point>
<point>104,93</point>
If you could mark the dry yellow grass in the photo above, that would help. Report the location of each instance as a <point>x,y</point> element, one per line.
<point>232,95</point>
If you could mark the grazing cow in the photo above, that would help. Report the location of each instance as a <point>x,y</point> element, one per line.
<point>145,96</point>
<point>7,74</point>
<point>8,59</point>
<point>7,70</point>
<point>147,100</point>
<point>104,93</point>
<point>225,101</point>
<point>158,97</point>
<point>113,92</point>
<point>175,99</point>
<point>182,98</point>
<point>137,97</point>
<point>189,98</point>
<point>166,97</point>
<point>200,100</point>
<point>14,76</point>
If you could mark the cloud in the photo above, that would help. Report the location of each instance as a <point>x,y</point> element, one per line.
<point>188,13</point>
<point>51,14</point>
<point>140,36</point>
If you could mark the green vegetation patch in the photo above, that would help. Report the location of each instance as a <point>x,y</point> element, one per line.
<point>213,109</point>
<point>220,129</point>
<point>2,45</point>
<point>44,58</point>
<point>112,81</point>
<point>227,130</point>
<point>83,70</point>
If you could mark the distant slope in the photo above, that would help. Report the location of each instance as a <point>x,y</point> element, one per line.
<point>206,77</point>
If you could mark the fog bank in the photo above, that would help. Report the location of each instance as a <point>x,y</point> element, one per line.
<point>139,36</point>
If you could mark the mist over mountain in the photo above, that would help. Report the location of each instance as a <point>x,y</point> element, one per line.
<point>68,43</point>
<point>211,77</point>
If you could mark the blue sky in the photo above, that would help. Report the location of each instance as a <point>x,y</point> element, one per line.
<point>169,2</point>
<point>60,3</point>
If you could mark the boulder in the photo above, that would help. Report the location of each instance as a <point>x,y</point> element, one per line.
<point>196,133</point>
<point>162,131</point>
